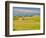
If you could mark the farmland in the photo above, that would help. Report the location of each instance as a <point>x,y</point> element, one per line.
<point>26,23</point>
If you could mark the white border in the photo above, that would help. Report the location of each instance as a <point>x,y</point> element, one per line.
<point>11,32</point>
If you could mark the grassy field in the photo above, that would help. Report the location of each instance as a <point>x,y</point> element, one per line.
<point>28,23</point>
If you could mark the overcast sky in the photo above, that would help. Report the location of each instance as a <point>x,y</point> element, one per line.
<point>24,10</point>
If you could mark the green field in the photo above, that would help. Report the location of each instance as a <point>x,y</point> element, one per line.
<point>26,23</point>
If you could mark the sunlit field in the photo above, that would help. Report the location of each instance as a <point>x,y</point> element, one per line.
<point>26,23</point>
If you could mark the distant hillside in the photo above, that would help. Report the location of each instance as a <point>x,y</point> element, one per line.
<point>26,14</point>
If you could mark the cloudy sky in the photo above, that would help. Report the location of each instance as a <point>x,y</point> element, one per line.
<point>22,11</point>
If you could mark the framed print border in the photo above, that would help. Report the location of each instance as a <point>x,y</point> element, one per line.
<point>7,18</point>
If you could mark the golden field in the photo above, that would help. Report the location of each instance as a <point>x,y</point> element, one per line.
<point>26,23</point>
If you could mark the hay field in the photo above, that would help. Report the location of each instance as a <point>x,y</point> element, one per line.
<point>26,23</point>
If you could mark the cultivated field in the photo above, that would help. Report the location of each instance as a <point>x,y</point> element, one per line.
<point>26,23</point>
